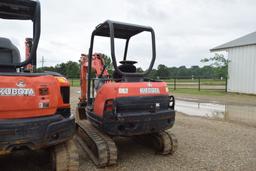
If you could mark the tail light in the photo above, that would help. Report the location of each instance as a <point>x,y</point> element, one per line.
<point>109,106</point>
<point>167,89</point>
<point>43,91</point>
<point>62,80</point>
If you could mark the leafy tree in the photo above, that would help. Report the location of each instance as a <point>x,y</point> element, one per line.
<point>207,71</point>
<point>72,69</point>
<point>219,63</point>
<point>108,63</point>
<point>217,67</point>
<point>69,69</point>
<point>162,71</point>
<point>51,68</point>
<point>183,72</point>
<point>195,70</point>
<point>153,74</point>
<point>173,71</point>
<point>139,69</point>
<point>60,68</point>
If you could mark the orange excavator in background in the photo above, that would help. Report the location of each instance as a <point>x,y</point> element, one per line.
<point>101,74</point>
<point>34,107</point>
<point>126,103</point>
<point>100,71</point>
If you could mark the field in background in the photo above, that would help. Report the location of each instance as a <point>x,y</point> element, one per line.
<point>202,86</point>
<point>74,82</point>
<point>197,86</point>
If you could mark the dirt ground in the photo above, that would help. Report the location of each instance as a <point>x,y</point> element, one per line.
<point>203,145</point>
<point>229,98</point>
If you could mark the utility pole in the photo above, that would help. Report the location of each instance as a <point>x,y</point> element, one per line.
<point>42,61</point>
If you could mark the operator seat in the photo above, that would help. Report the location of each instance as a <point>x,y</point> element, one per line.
<point>126,66</point>
<point>9,54</point>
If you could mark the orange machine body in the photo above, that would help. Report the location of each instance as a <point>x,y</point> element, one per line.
<point>113,90</point>
<point>124,108</point>
<point>34,107</point>
<point>31,96</point>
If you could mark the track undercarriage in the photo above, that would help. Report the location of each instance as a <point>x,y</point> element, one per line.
<point>65,157</point>
<point>102,149</point>
<point>99,146</point>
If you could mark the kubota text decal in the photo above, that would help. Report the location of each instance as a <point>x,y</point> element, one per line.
<point>149,91</point>
<point>16,92</point>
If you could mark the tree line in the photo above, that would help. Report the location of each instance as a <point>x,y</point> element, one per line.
<point>69,69</point>
<point>215,67</point>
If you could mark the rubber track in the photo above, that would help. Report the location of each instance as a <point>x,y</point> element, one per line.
<point>174,142</point>
<point>164,142</point>
<point>65,157</point>
<point>170,143</point>
<point>99,146</point>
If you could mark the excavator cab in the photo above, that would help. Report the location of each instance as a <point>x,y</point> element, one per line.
<point>125,72</point>
<point>9,55</point>
<point>19,10</point>
<point>126,66</point>
<point>128,104</point>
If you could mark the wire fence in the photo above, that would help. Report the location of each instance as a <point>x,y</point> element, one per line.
<point>199,83</point>
<point>74,82</point>
<point>178,83</point>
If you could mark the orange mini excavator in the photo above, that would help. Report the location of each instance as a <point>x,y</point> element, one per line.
<point>34,107</point>
<point>124,104</point>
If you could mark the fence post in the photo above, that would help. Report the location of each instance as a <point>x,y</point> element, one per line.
<point>226,84</point>
<point>175,83</point>
<point>199,82</point>
<point>72,82</point>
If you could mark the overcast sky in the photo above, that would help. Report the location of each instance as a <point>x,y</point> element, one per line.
<point>185,29</point>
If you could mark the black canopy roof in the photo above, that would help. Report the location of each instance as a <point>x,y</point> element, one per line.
<point>18,9</point>
<point>121,30</point>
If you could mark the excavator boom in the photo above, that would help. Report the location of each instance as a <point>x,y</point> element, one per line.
<point>98,67</point>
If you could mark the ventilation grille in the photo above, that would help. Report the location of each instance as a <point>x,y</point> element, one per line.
<point>65,94</point>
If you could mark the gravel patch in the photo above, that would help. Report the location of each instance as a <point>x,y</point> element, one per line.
<point>204,144</point>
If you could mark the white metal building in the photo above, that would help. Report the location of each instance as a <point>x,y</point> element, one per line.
<point>242,66</point>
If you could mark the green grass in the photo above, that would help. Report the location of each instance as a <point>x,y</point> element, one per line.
<point>74,82</point>
<point>189,86</point>
<point>204,81</point>
<point>197,92</point>
<point>190,89</point>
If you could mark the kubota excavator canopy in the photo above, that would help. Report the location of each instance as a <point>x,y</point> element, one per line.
<point>18,9</point>
<point>121,30</point>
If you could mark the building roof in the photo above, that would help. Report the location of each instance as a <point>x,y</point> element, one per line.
<point>249,39</point>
